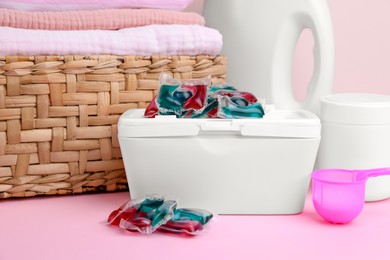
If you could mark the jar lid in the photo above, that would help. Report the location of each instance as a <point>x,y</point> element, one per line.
<point>356,108</point>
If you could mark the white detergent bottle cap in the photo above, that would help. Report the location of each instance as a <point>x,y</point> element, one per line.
<point>356,109</point>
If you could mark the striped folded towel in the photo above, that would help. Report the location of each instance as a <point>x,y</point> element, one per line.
<point>68,5</point>
<point>144,41</point>
<point>109,19</point>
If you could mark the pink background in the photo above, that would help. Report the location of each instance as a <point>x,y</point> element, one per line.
<point>362,42</point>
<point>70,227</point>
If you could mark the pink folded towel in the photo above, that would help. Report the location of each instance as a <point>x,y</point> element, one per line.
<point>109,19</point>
<point>69,5</point>
<point>144,41</point>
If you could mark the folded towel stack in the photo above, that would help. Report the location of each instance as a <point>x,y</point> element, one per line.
<point>119,27</point>
<point>67,5</point>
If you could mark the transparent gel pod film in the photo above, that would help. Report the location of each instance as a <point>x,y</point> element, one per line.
<point>177,98</point>
<point>165,100</point>
<point>197,92</point>
<point>238,107</point>
<point>150,217</point>
<point>155,213</point>
<point>200,215</point>
<point>136,215</point>
<point>152,110</point>
<point>210,110</point>
<point>127,210</point>
<point>187,221</point>
<point>220,86</point>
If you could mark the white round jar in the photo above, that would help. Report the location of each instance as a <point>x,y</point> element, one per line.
<point>356,135</point>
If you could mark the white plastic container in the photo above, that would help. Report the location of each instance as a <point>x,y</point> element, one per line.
<point>241,166</point>
<point>356,135</point>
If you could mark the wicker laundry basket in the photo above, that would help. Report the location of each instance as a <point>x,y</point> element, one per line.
<point>58,117</point>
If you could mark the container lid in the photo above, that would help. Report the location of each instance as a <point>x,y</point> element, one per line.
<point>356,108</point>
<point>276,123</point>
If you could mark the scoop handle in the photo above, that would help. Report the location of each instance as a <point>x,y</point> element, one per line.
<point>377,172</point>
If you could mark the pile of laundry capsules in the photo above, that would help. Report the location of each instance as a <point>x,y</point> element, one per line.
<point>197,98</point>
<point>155,213</point>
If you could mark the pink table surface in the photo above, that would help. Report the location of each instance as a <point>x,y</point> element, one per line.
<point>71,228</point>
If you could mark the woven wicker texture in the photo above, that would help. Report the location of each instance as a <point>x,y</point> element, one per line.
<point>58,117</point>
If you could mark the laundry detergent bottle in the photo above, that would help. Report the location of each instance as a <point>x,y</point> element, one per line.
<point>259,40</point>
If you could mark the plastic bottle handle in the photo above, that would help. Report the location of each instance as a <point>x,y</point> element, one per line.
<point>315,17</point>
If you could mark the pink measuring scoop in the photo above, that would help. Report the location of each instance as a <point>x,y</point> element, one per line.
<point>338,195</point>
